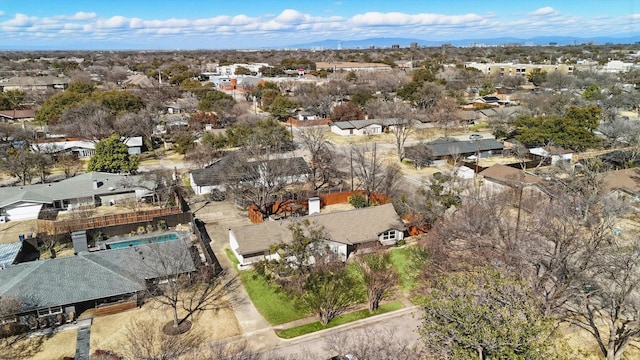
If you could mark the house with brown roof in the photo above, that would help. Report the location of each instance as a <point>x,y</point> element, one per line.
<point>525,189</point>
<point>347,231</point>
<point>17,115</point>
<point>623,185</point>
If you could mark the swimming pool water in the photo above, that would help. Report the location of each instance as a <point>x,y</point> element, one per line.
<point>142,241</point>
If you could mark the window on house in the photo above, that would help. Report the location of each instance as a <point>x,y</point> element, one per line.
<point>389,235</point>
<point>50,311</point>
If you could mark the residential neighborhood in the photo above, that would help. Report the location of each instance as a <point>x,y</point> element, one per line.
<point>210,204</point>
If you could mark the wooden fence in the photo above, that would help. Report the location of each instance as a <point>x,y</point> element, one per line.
<point>290,207</point>
<point>54,227</point>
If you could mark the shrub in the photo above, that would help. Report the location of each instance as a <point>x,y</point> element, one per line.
<point>358,201</point>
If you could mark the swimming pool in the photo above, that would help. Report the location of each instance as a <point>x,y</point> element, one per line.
<point>141,240</point>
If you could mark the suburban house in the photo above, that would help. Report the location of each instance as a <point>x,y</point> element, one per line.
<point>500,178</point>
<point>90,189</point>
<point>34,83</point>
<point>552,154</point>
<point>53,291</point>
<point>216,175</point>
<point>363,127</point>
<point>503,113</point>
<point>347,231</point>
<point>447,148</point>
<point>18,252</point>
<point>84,148</point>
<point>623,185</point>
<point>17,115</point>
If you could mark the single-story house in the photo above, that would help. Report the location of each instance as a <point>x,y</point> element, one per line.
<point>17,115</point>
<point>90,189</point>
<point>363,127</point>
<point>216,175</point>
<point>500,177</point>
<point>506,113</point>
<point>56,290</point>
<point>347,231</point>
<point>34,83</point>
<point>445,148</point>
<point>18,252</point>
<point>556,154</point>
<point>623,185</point>
<point>85,148</point>
<point>526,190</point>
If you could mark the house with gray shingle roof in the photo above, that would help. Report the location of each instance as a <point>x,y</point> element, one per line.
<point>69,285</point>
<point>347,231</point>
<point>90,189</point>
<point>444,148</point>
<point>216,175</point>
<point>34,83</point>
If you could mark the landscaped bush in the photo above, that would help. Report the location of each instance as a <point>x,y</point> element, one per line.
<point>358,201</point>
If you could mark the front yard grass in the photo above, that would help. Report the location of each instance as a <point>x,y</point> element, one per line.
<point>275,305</point>
<point>340,320</point>
<point>407,277</point>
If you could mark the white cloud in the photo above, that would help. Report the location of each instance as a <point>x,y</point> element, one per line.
<point>81,15</point>
<point>291,25</point>
<point>396,18</point>
<point>545,11</point>
<point>2,13</point>
<point>20,20</point>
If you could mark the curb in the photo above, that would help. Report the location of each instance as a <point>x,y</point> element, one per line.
<point>357,323</point>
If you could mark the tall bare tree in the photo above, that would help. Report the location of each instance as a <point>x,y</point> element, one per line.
<point>379,276</point>
<point>324,166</point>
<point>181,283</point>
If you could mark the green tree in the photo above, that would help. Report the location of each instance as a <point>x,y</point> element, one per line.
<point>574,130</point>
<point>358,201</point>
<point>537,76</point>
<point>118,101</point>
<point>210,100</point>
<point>282,107</point>
<point>361,98</point>
<point>485,314</point>
<point>241,70</point>
<point>112,156</point>
<point>182,143</point>
<point>11,99</point>
<point>52,109</point>
<point>81,87</point>
<point>592,92</point>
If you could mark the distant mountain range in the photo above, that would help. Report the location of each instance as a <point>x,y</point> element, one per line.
<point>384,42</point>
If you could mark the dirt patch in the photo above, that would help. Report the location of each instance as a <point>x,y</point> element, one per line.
<point>169,329</point>
<point>109,332</point>
<point>58,346</point>
<point>10,231</point>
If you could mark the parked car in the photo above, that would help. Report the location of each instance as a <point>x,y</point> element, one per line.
<point>475,137</point>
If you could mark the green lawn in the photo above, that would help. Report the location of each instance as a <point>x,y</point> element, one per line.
<point>275,305</point>
<point>340,320</point>
<point>406,277</point>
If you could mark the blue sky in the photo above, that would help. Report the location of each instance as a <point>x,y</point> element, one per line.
<point>215,24</point>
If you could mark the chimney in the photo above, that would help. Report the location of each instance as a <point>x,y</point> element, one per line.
<point>314,205</point>
<point>95,184</point>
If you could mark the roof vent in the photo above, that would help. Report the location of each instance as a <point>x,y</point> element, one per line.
<point>111,188</point>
